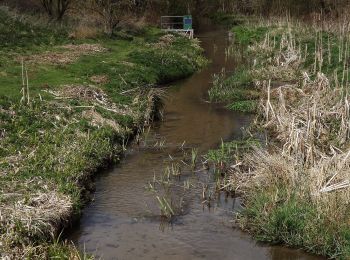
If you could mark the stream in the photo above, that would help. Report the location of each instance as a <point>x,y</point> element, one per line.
<point>122,223</point>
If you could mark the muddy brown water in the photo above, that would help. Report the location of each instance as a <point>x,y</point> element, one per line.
<point>122,222</point>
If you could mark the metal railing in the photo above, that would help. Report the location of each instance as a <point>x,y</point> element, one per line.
<point>172,22</point>
<point>175,24</point>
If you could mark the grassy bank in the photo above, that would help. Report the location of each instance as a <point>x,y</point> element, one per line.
<point>67,108</point>
<point>237,91</point>
<point>296,191</point>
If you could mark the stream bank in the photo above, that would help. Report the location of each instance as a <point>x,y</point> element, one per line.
<point>295,188</point>
<point>123,220</point>
<point>67,108</point>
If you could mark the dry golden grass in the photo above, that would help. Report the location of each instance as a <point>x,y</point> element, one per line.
<point>38,215</point>
<point>83,31</point>
<point>69,54</point>
<point>304,178</point>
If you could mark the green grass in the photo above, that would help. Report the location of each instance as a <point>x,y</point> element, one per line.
<point>149,66</point>
<point>245,106</point>
<point>53,145</point>
<point>276,217</point>
<point>236,90</point>
<point>246,35</point>
<point>229,150</point>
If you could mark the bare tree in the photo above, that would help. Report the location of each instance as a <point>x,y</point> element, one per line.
<point>56,9</point>
<point>62,7</point>
<point>111,12</point>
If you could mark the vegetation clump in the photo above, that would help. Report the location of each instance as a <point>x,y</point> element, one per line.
<point>296,191</point>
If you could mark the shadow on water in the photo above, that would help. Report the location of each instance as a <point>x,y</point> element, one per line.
<point>119,223</point>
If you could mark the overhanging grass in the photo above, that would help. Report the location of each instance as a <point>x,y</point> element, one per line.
<point>235,90</point>
<point>276,217</point>
<point>246,106</point>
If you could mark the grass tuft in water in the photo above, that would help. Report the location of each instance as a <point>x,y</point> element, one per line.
<point>194,157</point>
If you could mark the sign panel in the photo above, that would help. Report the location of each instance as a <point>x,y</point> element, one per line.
<point>187,22</point>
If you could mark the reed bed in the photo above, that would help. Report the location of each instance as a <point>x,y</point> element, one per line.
<point>296,190</point>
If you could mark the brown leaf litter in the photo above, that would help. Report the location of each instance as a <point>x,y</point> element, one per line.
<point>70,54</point>
<point>99,79</point>
<point>39,214</point>
<point>90,94</point>
<point>97,119</point>
<point>165,41</point>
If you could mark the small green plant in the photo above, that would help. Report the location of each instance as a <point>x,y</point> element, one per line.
<point>165,207</point>
<point>246,106</point>
<point>194,157</point>
<point>229,150</point>
<point>174,170</point>
<point>168,192</point>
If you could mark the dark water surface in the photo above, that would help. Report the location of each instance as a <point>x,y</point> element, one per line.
<point>121,222</point>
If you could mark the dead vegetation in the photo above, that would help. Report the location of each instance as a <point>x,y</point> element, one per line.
<point>303,175</point>
<point>84,31</point>
<point>84,48</point>
<point>99,79</point>
<point>95,96</point>
<point>98,120</point>
<point>70,54</point>
<point>309,117</point>
<point>25,216</point>
<point>165,41</point>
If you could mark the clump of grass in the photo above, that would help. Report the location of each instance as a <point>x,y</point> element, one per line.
<point>237,90</point>
<point>227,160</point>
<point>194,157</point>
<point>285,204</point>
<point>168,193</point>
<point>248,35</point>
<point>174,169</point>
<point>245,106</point>
<point>227,150</point>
